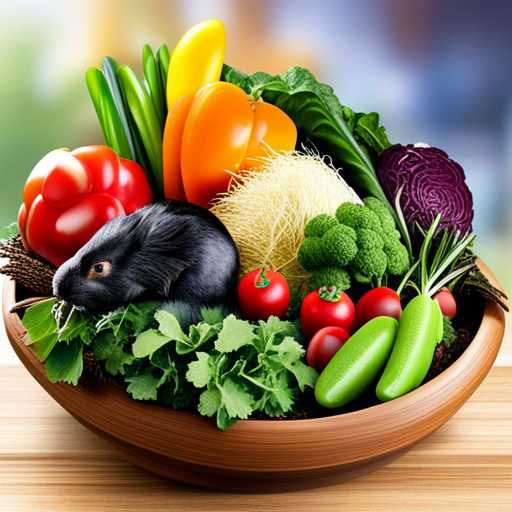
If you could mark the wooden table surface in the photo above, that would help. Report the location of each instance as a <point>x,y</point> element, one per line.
<point>49,462</point>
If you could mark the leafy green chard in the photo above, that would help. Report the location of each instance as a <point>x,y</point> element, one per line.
<point>59,345</point>
<point>351,139</point>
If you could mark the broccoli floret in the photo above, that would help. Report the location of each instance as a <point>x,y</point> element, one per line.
<point>358,216</point>
<point>369,265</point>
<point>386,219</point>
<point>370,262</point>
<point>362,238</point>
<point>319,225</point>
<point>311,254</point>
<point>330,276</point>
<point>367,238</point>
<point>339,246</point>
<point>397,254</point>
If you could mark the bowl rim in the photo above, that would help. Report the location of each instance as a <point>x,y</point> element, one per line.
<point>391,426</point>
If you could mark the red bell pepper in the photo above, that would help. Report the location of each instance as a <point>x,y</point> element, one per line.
<point>70,195</point>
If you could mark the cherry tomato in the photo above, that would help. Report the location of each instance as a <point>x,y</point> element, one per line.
<point>319,309</point>
<point>323,345</point>
<point>446,302</point>
<point>379,301</point>
<point>263,293</point>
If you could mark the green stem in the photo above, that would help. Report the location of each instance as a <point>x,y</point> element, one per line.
<point>256,382</point>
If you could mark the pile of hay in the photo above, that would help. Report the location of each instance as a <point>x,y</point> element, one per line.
<point>266,210</point>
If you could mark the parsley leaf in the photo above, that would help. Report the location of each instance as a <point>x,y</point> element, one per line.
<point>235,333</point>
<point>143,386</point>
<point>149,342</point>
<point>200,372</point>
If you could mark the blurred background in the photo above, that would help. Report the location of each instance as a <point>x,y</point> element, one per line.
<point>437,71</point>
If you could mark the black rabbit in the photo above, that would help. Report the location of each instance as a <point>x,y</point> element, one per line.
<point>166,250</point>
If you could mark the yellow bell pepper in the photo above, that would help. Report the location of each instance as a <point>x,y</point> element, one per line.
<point>197,60</point>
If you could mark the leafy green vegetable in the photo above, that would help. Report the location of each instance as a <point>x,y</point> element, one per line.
<point>9,231</point>
<point>350,138</point>
<point>39,320</point>
<point>224,366</point>
<point>65,362</point>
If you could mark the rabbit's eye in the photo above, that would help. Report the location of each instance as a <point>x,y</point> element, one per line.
<point>102,268</point>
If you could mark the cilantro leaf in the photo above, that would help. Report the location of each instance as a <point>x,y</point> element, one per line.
<point>288,351</point>
<point>169,326</point>
<point>235,333</point>
<point>143,386</point>
<point>212,316</point>
<point>198,335</point>
<point>149,342</point>
<point>305,375</point>
<point>236,400</point>
<point>117,359</point>
<point>210,401</point>
<point>107,347</point>
<point>200,372</point>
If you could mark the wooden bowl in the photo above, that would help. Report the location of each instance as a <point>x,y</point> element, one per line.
<point>268,456</point>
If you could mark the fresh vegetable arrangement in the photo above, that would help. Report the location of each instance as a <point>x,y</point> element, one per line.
<point>355,261</point>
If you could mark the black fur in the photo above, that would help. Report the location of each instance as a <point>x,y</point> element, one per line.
<point>166,250</point>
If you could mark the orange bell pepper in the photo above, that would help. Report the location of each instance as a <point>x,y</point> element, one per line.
<point>220,131</point>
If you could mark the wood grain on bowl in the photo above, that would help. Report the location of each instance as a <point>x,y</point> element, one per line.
<point>268,456</point>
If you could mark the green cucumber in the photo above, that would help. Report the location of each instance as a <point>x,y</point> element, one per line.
<point>357,363</point>
<point>419,331</point>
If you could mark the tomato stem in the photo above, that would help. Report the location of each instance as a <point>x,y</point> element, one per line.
<point>262,281</point>
<point>330,293</point>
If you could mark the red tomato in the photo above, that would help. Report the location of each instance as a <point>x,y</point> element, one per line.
<point>263,293</point>
<point>317,312</point>
<point>446,302</point>
<point>324,344</point>
<point>380,301</point>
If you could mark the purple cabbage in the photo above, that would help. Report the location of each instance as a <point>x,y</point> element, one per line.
<point>432,184</point>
